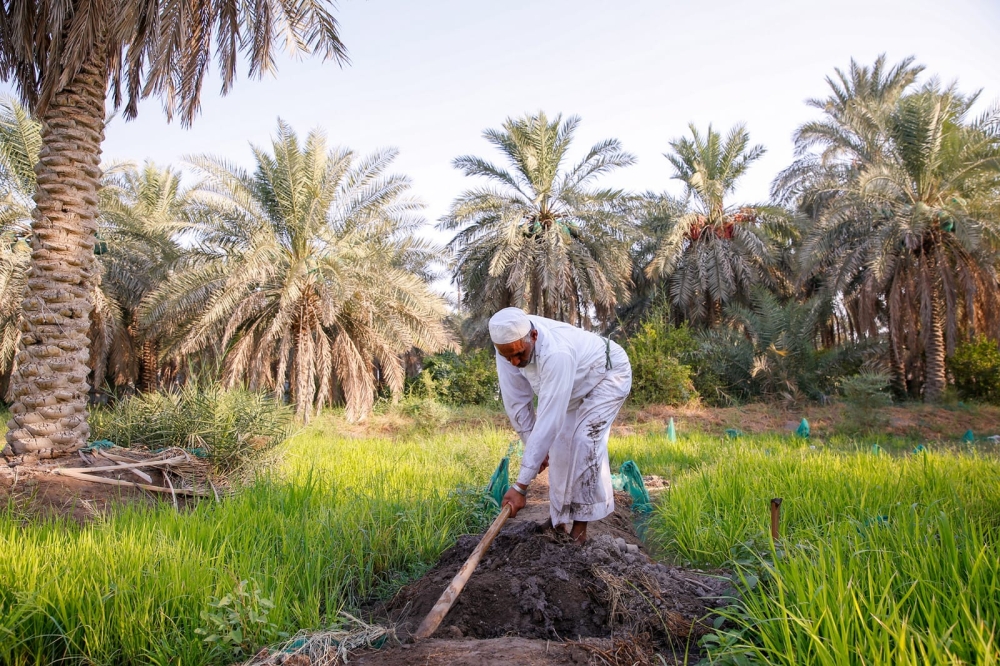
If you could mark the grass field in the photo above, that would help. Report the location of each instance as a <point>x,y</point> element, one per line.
<point>885,558</point>
<point>345,517</point>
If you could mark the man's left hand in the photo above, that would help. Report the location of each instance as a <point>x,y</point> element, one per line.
<point>516,501</point>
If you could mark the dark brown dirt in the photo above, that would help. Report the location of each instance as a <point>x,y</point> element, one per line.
<point>535,583</point>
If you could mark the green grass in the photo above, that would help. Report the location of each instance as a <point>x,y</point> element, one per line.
<point>883,559</point>
<point>347,517</point>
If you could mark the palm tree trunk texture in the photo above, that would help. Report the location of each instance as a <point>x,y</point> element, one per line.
<point>898,365</point>
<point>150,366</point>
<point>934,351</point>
<point>49,387</point>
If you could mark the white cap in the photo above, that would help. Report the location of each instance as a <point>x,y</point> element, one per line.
<point>509,325</point>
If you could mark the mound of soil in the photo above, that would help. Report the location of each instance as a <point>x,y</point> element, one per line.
<point>537,598</point>
<point>536,583</point>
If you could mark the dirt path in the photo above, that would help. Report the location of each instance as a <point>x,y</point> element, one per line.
<point>512,650</point>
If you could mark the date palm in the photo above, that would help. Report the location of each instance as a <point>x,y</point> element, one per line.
<point>19,145</point>
<point>908,229</point>
<point>713,252</point>
<point>64,59</point>
<point>144,213</point>
<point>304,271</point>
<point>540,235</point>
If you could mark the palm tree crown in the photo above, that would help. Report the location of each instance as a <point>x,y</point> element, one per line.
<point>714,252</point>
<point>302,274</point>
<point>540,236</point>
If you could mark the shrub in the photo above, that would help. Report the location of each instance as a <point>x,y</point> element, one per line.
<point>866,394</point>
<point>236,428</point>
<point>768,350</point>
<point>469,378</point>
<point>976,369</point>
<point>657,353</point>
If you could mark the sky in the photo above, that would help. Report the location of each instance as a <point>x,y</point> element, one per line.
<point>429,77</point>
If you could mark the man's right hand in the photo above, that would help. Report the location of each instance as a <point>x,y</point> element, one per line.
<point>516,501</point>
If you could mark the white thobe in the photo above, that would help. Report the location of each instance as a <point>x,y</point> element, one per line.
<point>579,396</point>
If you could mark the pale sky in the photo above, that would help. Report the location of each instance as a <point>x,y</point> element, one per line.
<point>429,77</point>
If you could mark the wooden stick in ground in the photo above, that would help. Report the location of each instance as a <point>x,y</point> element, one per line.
<point>115,482</point>
<point>447,598</point>
<point>775,518</point>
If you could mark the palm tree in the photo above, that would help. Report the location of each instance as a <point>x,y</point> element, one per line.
<point>656,214</point>
<point>540,236</point>
<point>63,58</point>
<point>302,272</point>
<point>714,252</point>
<point>143,216</point>
<point>19,145</point>
<point>909,219</point>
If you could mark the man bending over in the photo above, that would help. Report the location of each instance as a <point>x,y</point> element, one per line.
<point>581,381</point>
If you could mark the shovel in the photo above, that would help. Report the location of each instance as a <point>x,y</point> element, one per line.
<point>448,597</point>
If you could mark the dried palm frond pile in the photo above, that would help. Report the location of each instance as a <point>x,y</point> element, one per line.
<point>626,650</point>
<point>324,648</point>
<point>181,472</point>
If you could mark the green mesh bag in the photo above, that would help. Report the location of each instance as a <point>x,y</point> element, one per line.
<point>499,482</point>
<point>630,480</point>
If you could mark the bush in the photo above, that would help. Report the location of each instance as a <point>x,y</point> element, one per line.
<point>976,369</point>
<point>657,353</point>
<point>469,378</point>
<point>236,428</point>
<point>866,394</point>
<point>768,350</point>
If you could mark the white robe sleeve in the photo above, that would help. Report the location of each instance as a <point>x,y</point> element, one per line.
<point>554,392</point>
<point>518,398</point>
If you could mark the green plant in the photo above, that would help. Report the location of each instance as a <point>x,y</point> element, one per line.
<point>866,395</point>
<point>901,182</point>
<point>540,234</point>
<point>427,412</point>
<point>307,271</point>
<point>882,560</point>
<point>72,64</point>
<point>976,369</point>
<point>714,252</point>
<point>235,428</point>
<point>239,621</point>
<point>469,378</point>
<point>656,352</point>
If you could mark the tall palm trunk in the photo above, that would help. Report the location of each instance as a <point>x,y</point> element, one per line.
<point>49,386</point>
<point>150,359</point>
<point>897,364</point>
<point>934,352</point>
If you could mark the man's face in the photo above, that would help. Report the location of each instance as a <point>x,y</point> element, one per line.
<point>519,353</point>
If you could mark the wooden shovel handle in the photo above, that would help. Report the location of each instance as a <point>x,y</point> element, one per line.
<point>447,598</point>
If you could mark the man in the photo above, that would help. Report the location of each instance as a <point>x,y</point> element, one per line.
<point>581,381</point>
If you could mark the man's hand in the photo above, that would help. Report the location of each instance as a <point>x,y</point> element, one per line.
<point>544,465</point>
<point>516,501</point>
